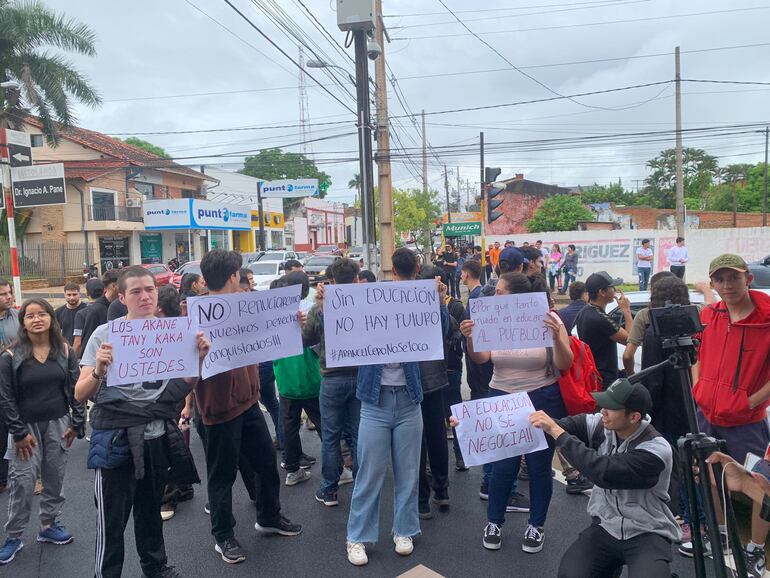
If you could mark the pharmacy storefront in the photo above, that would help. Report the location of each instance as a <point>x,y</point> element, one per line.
<point>190,227</point>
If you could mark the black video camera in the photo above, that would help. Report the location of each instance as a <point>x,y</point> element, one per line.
<point>673,321</point>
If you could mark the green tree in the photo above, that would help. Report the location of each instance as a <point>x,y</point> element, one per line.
<point>355,182</point>
<point>700,171</point>
<point>612,193</point>
<point>147,146</point>
<point>415,211</point>
<point>273,164</point>
<point>559,213</point>
<point>48,82</point>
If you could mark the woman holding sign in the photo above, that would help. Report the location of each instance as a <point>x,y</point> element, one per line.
<point>37,381</point>
<point>534,371</point>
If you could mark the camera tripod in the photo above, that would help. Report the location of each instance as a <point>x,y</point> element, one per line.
<point>693,450</point>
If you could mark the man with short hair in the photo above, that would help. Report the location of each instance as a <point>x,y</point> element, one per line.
<point>246,280</point>
<point>96,313</point>
<point>510,260</point>
<point>678,257</point>
<point>630,464</point>
<point>340,408</point>
<point>578,300</point>
<point>732,377</point>
<point>534,257</point>
<point>136,445</point>
<point>9,329</point>
<point>545,253</point>
<point>65,314</point>
<point>600,331</point>
<point>494,255</point>
<point>228,404</point>
<point>644,257</point>
<point>470,276</point>
<point>291,266</point>
<point>366,276</point>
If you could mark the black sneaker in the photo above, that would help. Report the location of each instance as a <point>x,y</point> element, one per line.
<point>534,538</point>
<point>327,498</point>
<point>424,511</point>
<point>282,526</point>
<point>166,572</point>
<point>484,491</point>
<point>231,551</point>
<point>460,464</point>
<point>441,499</point>
<point>517,503</point>
<point>578,485</point>
<point>492,537</point>
<point>306,461</point>
<point>755,562</point>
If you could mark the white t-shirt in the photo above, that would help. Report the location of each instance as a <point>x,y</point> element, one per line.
<point>393,374</point>
<point>642,252</point>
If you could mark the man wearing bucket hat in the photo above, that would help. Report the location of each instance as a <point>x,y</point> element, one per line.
<point>630,464</point>
<point>732,377</point>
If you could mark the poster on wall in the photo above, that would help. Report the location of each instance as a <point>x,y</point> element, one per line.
<point>114,252</point>
<point>151,247</point>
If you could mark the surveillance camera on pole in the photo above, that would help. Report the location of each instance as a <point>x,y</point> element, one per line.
<point>373,50</point>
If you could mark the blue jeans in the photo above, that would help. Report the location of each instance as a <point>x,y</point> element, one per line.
<point>339,417</point>
<point>390,432</point>
<point>569,277</point>
<point>644,277</point>
<point>504,472</point>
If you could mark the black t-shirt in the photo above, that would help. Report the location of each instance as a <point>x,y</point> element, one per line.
<point>116,310</point>
<point>41,391</point>
<point>66,318</point>
<point>449,258</point>
<point>596,328</point>
<point>95,315</point>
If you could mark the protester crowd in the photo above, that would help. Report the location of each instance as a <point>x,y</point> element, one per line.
<point>396,416</point>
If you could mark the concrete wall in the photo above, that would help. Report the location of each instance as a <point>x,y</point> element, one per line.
<point>613,251</point>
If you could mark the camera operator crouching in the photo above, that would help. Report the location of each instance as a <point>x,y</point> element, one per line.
<point>630,464</point>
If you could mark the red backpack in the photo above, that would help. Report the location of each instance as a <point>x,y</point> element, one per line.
<point>580,380</point>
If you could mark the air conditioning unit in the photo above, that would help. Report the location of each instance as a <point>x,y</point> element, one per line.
<point>133,202</point>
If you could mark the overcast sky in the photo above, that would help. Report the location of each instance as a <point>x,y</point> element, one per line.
<point>150,49</point>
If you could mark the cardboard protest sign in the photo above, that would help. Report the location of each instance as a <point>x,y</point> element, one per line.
<point>152,349</point>
<point>510,322</point>
<point>371,323</point>
<point>496,428</point>
<point>248,328</point>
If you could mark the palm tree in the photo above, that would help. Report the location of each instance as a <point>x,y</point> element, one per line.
<point>48,82</point>
<point>355,182</point>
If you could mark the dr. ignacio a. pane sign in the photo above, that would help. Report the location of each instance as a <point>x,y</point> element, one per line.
<point>39,185</point>
<point>375,323</point>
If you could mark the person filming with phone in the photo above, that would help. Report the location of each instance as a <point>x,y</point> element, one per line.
<point>600,331</point>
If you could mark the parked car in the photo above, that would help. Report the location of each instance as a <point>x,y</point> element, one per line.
<point>761,271</point>
<point>163,274</point>
<point>281,256</point>
<point>316,266</point>
<point>355,253</point>
<point>265,272</point>
<point>327,250</point>
<point>189,267</point>
<point>302,256</point>
<point>251,257</point>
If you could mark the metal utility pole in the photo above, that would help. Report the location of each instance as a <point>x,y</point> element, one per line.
<point>304,107</point>
<point>365,144</point>
<point>446,190</point>
<point>458,188</point>
<point>424,156</point>
<point>764,205</point>
<point>261,217</point>
<point>385,185</point>
<point>482,206</point>
<point>680,215</point>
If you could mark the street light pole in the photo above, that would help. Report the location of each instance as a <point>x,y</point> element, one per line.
<point>764,204</point>
<point>680,210</point>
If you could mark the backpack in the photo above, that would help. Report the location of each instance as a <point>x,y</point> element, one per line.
<point>580,380</point>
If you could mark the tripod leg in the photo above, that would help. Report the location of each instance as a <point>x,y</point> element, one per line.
<point>717,551</point>
<point>688,457</point>
<point>732,527</point>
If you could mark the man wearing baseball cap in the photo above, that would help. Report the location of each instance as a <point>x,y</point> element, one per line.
<point>510,260</point>
<point>600,331</point>
<point>630,464</point>
<point>732,377</point>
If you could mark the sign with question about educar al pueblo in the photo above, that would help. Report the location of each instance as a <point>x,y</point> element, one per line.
<point>373,323</point>
<point>510,322</point>
<point>248,328</point>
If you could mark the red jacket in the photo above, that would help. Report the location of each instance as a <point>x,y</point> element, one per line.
<point>734,363</point>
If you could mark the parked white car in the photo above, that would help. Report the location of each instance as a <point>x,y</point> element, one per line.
<point>281,256</point>
<point>265,272</point>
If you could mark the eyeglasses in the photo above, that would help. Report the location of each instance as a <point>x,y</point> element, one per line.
<point>31,316</point>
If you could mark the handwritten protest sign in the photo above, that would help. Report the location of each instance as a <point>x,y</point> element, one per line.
<point>248,328</point>
<point>510,322</point>
<point>152,349</point>
<point>375,323</point>
<point>496,428</point>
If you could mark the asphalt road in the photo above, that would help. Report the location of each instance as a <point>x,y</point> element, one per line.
<point>450,543</point>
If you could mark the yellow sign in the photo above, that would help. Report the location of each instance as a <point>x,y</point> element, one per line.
<point>473,217</point>
<point>272,220</point>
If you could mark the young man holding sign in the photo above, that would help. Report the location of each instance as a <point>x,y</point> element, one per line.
<point>135,444</point>
<point>534,371</point>
<point>630,463</point>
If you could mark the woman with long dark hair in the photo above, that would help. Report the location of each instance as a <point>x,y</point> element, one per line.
<point>38,373</point>
<point>534,371</point>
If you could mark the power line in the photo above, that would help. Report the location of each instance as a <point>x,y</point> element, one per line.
<point>414,14</point>
<point>585,24</point>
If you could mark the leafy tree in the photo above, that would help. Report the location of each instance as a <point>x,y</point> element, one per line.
<point>147,146</point>
<point>48,81</point>
<point>700,171</point>
<point>273,164</point>
<point>415,211</point>
<point>355,182</point>
<point>612,193</point>
<point>559,213</point>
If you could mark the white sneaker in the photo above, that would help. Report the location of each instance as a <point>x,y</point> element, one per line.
<point>404,545</point>
<point>357,554</point>
<point>346,477</point>
<point>294,478</point>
